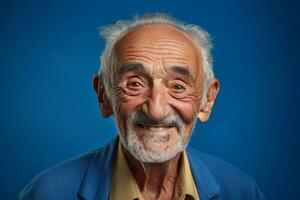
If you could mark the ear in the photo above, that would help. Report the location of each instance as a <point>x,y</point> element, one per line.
<point>212,92</point>
<point>103,101</point>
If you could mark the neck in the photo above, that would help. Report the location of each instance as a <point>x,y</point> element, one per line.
<point>155,180</point>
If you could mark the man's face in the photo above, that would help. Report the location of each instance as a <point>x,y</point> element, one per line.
<point>158,93</point>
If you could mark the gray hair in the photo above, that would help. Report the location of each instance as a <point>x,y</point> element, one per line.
<point>113,33</point>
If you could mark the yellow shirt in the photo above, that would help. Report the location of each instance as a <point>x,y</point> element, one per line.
<point>124,186</point>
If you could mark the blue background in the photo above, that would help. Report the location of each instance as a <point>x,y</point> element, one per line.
<point>50,51</point>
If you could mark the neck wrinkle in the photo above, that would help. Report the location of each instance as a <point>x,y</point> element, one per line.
<point>154,177</point>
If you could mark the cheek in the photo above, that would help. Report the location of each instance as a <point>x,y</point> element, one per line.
<point>127,104</point>
<point>187,107</point>
<point>187,111</point>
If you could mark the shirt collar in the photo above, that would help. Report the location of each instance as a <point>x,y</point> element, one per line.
<point>124,186</point>
<point>185,183</point>
<point>97,179</point>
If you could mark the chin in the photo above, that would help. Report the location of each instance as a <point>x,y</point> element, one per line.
<point>153,147</point>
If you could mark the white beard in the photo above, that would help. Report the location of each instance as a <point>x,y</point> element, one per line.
<point>154,148</point>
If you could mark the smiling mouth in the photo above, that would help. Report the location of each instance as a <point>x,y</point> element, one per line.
<point>154,128</point>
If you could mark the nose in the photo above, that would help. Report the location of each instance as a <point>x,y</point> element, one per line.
<point>157,106</point>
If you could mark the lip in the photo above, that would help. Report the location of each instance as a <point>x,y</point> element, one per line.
<point>155,128</point>
<point>144,126</point>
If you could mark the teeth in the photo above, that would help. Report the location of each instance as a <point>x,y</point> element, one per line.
<point>155,128</point>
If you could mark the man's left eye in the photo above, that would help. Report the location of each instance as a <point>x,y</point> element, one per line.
<point>178,88</point>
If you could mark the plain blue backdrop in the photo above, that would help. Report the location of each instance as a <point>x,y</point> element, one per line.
<point>50,52</point>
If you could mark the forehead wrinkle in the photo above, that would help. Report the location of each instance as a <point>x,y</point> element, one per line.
<point>148,46</point>
<point>176,45</point>
<point>151,35</point>
<point>167,57</point>
<point>138,57</point>
<point>171,47</point>
<point>183,48</point>
<point>153,56</point>
<point>176,62</point>
<point>157,50</point>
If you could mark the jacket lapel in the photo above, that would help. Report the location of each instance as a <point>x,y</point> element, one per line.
<point>97,179</point>
<point>207,186</point>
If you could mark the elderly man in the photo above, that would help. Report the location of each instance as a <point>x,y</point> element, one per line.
<point>156,79</point>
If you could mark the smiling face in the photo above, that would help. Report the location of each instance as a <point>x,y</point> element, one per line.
<point>158,92</point>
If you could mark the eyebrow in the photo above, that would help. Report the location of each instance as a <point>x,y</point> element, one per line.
<point>138,67</point>
<point>130,67</point>
<point>184,71</point>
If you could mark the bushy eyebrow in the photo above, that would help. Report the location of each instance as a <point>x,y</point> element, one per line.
<point>138,67</point>
<point>184,71</point>
<point>130,67</point>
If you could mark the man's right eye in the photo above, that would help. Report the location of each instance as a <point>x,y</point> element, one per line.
<point>134,84</point>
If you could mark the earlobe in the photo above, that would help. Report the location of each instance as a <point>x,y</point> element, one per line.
<point>105,107</point>
<point>96,82</point>
<point>212,92</point>
<point>103,101</point>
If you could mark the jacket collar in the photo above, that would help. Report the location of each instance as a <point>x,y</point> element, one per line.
<point>97,179</point>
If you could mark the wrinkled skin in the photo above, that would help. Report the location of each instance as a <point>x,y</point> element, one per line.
<point>160,74</point>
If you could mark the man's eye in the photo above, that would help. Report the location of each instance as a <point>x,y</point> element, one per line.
<point>178,88</point>
<point>134,85</point>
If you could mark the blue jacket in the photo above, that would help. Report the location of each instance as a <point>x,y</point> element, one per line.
<point>88,177</point>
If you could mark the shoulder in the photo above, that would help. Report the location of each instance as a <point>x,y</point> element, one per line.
<point>59,182</point>
<point>75,178</point>
<point>219,168</point>
<point>232,182</point>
